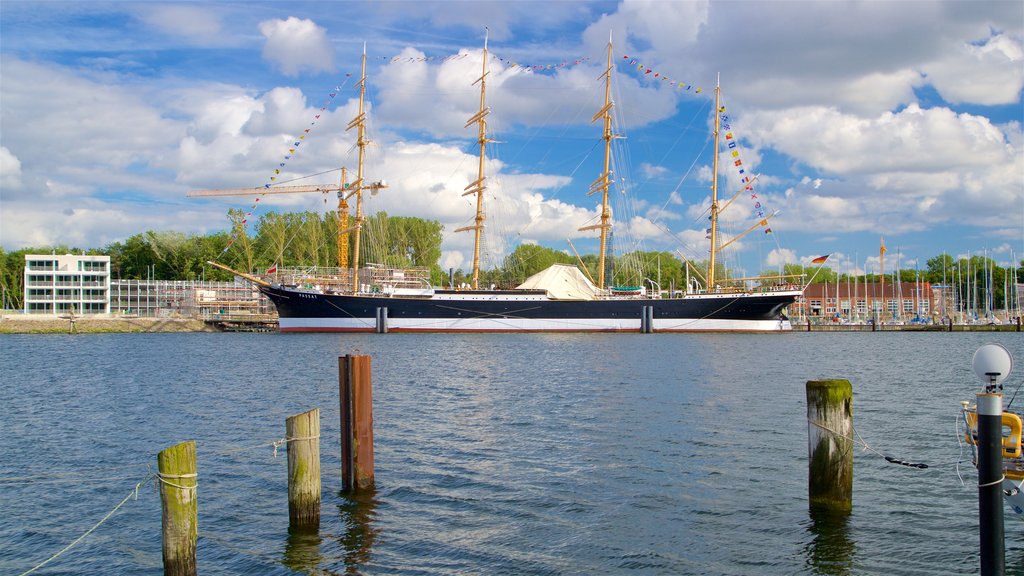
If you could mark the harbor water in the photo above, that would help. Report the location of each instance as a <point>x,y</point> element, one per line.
<point>497,454</point>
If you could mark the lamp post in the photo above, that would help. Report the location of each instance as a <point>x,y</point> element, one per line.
<point>992,363</point>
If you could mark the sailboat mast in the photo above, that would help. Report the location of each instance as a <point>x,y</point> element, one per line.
<point>359,122</point>
<point>603,181</point>
<point>714,187</point>
<point>478,187</point>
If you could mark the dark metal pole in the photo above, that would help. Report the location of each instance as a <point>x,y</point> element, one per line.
<point>990,482</point>
<point>345,400</point>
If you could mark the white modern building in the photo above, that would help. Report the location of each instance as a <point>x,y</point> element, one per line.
<point>67,284</point>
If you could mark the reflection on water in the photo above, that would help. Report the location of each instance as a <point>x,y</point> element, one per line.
<point>302,550</point>
<point>830,551</point>
<point>597,454</point>
<point>358,511</point>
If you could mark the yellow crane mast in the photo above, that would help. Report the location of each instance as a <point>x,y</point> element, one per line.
<point>341,189</point>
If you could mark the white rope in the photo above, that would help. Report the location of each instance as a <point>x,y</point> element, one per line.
<point>860,440</point>
<point>278,443</point>
<point>161,477</point>
<point>993,483</point>
<point>134,492</point>
<point>960,442</point>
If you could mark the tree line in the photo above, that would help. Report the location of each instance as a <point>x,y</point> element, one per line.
<point>310,238</point>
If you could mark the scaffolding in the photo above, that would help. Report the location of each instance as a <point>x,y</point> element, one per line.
<point>208,301</point>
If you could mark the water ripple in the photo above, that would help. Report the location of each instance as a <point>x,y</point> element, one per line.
<point>503,454</point>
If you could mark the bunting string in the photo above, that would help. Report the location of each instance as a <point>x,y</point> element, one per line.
<point>292,153</point>
<point>293,148</point>
<point>732,145</point>
<point>647,71</point>
<point>512,64</point>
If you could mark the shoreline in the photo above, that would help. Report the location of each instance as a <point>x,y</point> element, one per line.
<point>906,328</point>
<point>24,324</point>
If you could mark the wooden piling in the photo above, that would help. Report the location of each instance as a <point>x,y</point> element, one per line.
<point>355,395</point>
<point>177,475</point>
<point>303,434</point>
<point>830,444</point>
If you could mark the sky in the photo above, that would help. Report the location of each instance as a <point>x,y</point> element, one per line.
<point>860,123</point>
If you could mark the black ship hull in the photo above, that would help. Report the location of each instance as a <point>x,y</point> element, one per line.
<point>527,311</point>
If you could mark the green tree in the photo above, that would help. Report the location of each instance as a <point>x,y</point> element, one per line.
<point>240,231</point>
<point>272,236</point>
<point>404,241</point>
<point>529,259</point>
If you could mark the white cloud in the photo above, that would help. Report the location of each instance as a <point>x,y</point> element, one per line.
<point>644,28</point>
<point>190,22</point>
<point>990,73</point>
<point>114,146</point>
<point>911,168</point>
<point>911,139</point>
<point>295,45</point>
<point>10,169</point>
<point>651,171</point>
<point>856,57</point>
<point>438,97</point>
<point>780,257</point>
<point>863,153</point>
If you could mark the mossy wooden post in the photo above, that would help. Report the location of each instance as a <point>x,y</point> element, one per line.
<point>355,394</point>
<point>830,444</point>
<point>177,474</point>
<point>303,434</point>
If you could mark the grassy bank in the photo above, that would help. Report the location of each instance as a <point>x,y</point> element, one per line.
<point>24,324</point>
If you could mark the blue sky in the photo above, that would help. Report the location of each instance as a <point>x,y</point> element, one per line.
<point>862,120</point>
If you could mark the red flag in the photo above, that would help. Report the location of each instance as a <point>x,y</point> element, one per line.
<point>272,269</point>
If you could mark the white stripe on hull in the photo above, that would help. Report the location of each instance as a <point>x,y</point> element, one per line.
<point>528,325</point>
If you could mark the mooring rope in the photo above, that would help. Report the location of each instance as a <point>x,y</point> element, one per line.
<point>161,477</point>
<point>158,476</point>
<point>278,443</point>
<point>992,483</point>
<point>862,442</point>
<point>134,492</point>
<point>960,442</point>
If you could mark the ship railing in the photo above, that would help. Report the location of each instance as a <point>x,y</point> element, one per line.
<point>374,278</point>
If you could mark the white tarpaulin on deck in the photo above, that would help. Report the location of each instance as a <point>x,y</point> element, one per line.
<point>562,282</point>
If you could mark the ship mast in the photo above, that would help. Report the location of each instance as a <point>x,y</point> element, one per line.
<point>359,123</point>
<point>603,181</point>
<point>357,187</point>
<point>714,187</point>
<point>477,187</point>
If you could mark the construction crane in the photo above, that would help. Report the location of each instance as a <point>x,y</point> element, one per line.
<point>345,190</point>
<point>343,195</point>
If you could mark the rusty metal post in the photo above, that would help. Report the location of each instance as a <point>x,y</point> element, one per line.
<point>355,394</point>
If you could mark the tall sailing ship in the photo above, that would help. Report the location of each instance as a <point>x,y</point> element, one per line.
<point>562,298</point>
